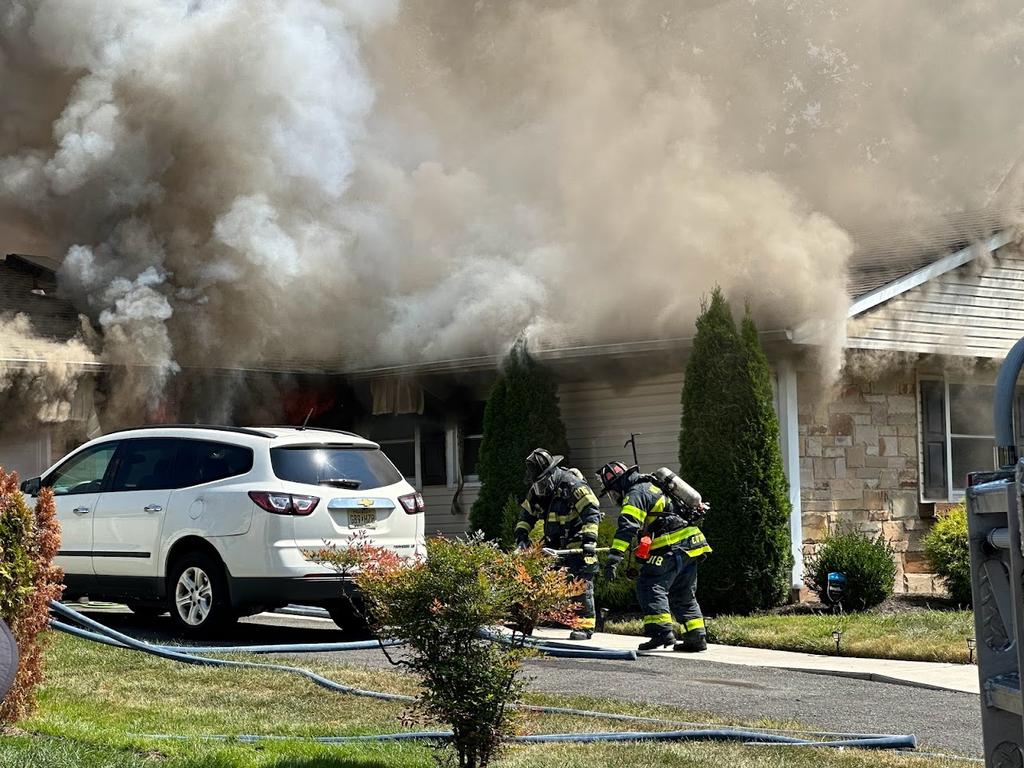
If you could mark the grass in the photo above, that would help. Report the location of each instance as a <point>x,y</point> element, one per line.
<point>912,635</point>
<point>98,705</point>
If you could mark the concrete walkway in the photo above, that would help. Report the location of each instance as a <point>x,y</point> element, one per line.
<point>921,674</point>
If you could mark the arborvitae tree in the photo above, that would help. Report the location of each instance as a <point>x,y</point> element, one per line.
<point>767,486</point>
<point>728,450</point>
<point>522,413</point>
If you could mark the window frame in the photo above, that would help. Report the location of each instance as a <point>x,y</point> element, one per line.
<point>953,495</point>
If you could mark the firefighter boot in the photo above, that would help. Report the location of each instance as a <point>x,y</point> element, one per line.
<point>693,642</point>
<point>659,641</point>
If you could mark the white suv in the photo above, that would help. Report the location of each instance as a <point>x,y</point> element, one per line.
<point>210,523</point>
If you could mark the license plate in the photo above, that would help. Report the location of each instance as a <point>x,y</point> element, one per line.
<point>362,519</point>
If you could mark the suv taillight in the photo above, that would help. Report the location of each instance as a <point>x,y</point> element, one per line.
<point>284,503</point>
<point>413,504</point>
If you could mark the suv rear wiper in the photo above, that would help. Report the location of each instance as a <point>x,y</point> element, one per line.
<point>340,482</point>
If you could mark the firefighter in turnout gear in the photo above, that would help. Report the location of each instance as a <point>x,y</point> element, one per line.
<point>571,514</point>
<point>667,583</point>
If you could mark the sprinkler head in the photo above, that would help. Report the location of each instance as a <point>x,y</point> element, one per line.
<point>971,645</point>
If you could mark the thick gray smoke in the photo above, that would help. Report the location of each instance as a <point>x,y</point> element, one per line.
<point>234,182</point>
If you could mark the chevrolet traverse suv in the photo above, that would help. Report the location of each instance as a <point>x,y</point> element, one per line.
<point>210,523</point>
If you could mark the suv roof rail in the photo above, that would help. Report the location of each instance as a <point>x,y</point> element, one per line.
<point>316,429</point>
<point>213,427</point>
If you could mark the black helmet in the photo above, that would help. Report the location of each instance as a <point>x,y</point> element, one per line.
<point>611,474</point>
<point>540,465</point>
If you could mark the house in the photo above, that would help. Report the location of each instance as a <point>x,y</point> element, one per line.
<point>884,450</point>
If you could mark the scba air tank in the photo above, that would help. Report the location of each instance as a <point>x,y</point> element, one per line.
<point>677,488</point>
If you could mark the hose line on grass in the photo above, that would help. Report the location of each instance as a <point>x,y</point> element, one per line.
<point>96,632</point>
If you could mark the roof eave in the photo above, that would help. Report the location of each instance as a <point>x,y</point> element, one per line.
<point>918,277</point>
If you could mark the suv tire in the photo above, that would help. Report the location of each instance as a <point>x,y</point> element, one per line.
<point>197,595</point>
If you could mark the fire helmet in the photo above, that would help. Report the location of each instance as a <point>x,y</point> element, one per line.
<point>540,466</point>
<point>611,474</point>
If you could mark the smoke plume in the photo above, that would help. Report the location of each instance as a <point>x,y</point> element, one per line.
<point>38,378</point>
<point>253,182</point>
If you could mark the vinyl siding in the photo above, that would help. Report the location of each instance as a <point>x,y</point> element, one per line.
<point>599,418</point>
<point>975,310</point>
<point>440,519</point>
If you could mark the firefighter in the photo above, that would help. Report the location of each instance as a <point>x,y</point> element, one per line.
<point>571,514</point>
<point>667,583</point>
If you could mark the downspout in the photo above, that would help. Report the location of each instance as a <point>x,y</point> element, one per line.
<point>789,434</point>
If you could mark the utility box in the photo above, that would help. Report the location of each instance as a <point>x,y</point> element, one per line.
<point>994,505</point>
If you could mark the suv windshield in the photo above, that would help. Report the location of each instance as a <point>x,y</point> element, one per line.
<point>340,466</point>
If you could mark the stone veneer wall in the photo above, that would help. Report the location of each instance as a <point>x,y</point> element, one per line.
<point>859,468</point>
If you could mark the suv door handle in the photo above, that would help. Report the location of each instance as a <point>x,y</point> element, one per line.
<point>153,508</point>
<point>80,510</point>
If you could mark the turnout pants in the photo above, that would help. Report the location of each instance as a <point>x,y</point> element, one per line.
<point>585,572</point>
<point>666,589</point>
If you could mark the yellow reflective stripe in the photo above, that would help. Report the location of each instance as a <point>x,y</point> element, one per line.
<point>589,528</point>
<point>635,512</point>
<point>620,545</point>
<point>522,525</point>
<point>659,506</point>
<point>586,623</point>
<point>658,618</point>
<point>699,551</point>
<point>552,517</point>
<point>675,537</point>
<point>587,499</point>
<point>527,506</point>
<point>693,624</point>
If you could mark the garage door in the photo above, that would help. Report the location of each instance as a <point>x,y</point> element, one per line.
<point>27,456</point>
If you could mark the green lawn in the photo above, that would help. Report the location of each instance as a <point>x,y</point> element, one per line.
<point>99,708</point>
<point>915,635</point>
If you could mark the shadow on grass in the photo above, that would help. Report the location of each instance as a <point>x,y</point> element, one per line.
<point>39,751</point>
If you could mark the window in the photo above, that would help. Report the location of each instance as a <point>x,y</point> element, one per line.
<point>83,473</point>
<point>956,435</point>
<point>416,445</point>
<point>345,467</point>
<point>472,437</point>
<point>396,436</point>
<point>145,465</point>
<point>201,462</point>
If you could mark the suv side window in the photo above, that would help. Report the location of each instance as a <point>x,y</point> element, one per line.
<point>201,461</point>
<point>83,473</point>
<point>145,465</point>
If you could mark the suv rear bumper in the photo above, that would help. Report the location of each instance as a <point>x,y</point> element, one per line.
<point>271,592</point>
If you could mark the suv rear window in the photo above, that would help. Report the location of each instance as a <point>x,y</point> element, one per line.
<point>331,465</point>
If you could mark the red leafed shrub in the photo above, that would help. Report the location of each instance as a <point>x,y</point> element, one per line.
<point>29,540</point>
<point>443,607</point>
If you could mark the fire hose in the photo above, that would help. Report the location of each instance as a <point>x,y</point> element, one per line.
<point>93,630</point>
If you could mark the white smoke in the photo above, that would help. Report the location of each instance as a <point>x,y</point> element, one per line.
<point>41,376</point>
<point>235,181</point>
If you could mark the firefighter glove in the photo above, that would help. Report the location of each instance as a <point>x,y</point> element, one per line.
<point>614,558</point>
<point>590,553</point>
<point>523,543</point>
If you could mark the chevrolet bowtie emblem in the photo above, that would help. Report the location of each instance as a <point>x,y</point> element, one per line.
<point>366,502</point>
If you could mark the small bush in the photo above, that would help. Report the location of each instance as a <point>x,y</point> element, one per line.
<point>28,581</point>
<point>441,606</point>
<point>948,552</point>
<point>869,566</point>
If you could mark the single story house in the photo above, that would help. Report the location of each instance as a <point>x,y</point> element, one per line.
<point>884,451</point>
